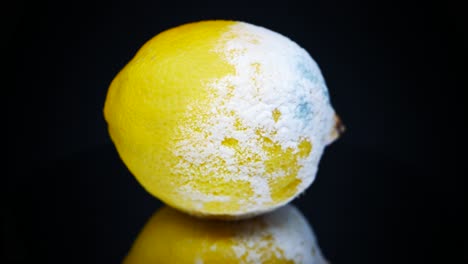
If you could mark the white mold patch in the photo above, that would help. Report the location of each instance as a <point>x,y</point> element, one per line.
<point>277,92</point>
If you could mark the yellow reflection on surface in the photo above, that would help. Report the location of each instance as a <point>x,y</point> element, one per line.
<point>282,236</point>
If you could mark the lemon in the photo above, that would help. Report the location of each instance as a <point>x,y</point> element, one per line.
<point>282,236</point>
<point>221,118</point>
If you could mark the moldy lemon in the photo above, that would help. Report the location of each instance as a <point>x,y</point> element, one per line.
<point>221,118</point>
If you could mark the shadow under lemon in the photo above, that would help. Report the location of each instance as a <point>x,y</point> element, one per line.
<point>282,236</point>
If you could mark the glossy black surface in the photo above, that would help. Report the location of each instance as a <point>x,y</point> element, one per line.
<point>365,207</point>
<point>390,191</point>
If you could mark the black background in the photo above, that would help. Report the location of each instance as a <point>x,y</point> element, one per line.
<point>389,191</point>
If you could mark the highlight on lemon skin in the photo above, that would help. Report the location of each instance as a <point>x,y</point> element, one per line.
<point>221,118</point>
<point>282,236</point>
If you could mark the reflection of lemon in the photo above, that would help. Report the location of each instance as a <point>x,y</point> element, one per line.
<point>283,236</point>
<point>221,118</point>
